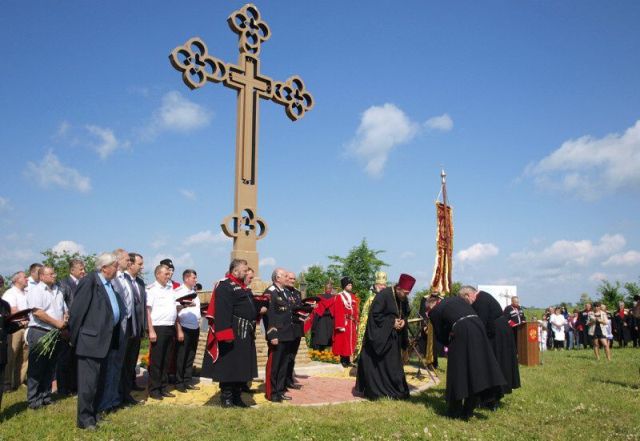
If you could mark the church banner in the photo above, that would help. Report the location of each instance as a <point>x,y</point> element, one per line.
<point>442,271</point>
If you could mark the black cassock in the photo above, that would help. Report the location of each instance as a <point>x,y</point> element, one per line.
<point>380,370</point>
<point>322,328</point>
<point>500,335</point>
<point>472,369</point>
<point>235,320</point>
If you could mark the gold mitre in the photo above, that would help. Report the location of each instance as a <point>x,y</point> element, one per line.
<point>381,278</point>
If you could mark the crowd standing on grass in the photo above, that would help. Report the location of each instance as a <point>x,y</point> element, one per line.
<point>85,332</point>
<point>593,327</point>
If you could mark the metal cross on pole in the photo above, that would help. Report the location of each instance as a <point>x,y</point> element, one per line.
<point>197,67</point>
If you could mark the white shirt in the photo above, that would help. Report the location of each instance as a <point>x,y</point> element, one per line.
<point>557,324</point>
<point>162,301</point>
<point>188,317</point>
<point>50,300</point>
<point>16,298</point>
<point>30,284</point>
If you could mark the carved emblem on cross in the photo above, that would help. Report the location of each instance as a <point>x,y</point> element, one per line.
<point>198,67</point>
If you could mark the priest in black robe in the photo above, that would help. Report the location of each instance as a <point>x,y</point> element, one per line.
<point>496,325</point>
<point>380,367</point>
<point>234,315</point>
<point>472,369</point>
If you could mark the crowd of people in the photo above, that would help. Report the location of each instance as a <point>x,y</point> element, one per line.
<point>85,332</point>
<point>592,327</point>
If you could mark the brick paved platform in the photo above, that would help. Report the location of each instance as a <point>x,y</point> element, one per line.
<point>320,389</point>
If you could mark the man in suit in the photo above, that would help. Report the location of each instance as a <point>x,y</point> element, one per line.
<point>94,324</point>
<point>111,399</point>
<point>66,368</point>
<point>136,325</point>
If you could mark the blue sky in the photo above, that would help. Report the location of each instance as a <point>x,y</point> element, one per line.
<point>533,109</point>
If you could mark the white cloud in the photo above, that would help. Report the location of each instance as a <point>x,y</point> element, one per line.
<point>4,204</point>
<point>50,172</point>
<point>177,114</point>
<point>158,243</point>
<point>183,261</point>
<point>477,252</point>
<point>106,142</point>
<point>443,123</point>
<point>69,246</point>
<point>63,129</point>
<point>381,129</point>
<point>407,255</point>
<point>188,194</point>
<point>597,277</point>
<point>267,261</point>
<point>205,237</point>
<point>567,252</point>
<point>592,167</point>
<point>623,259</point>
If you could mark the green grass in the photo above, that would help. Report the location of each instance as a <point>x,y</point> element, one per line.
<point>570,397</point>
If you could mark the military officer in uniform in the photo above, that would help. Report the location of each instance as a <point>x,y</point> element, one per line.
<point>295,298</point>
<point>280,334</point>
<point>234,315</point>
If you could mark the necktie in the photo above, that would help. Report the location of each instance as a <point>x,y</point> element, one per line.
<point>134,319</point>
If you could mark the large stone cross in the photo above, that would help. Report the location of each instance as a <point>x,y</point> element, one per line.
<point>197,67</point>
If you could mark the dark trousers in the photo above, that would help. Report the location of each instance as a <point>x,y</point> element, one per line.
<point>159,359</point>
<point>91,380</point>
<point>185,354</point>
<point>276,372</point>
<point>128,378</point>
<point>2,366</point>
<point>293,353</point>
<point>587,340</point>
<point>40,372</point>
<point>66,370</point>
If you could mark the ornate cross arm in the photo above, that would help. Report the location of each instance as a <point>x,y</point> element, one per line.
<point>251,30</point>
<point>196,65</point>
<point>294,96</point>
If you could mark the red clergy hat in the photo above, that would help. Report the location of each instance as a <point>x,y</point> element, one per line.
<point>406,282</point>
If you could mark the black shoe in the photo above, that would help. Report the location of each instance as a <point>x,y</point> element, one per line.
<point>182,390</point>
<point>130,401</point>
<point>285,397</point>
<point>156,396</point>
<point>138,388</point>
<point>276,399</point>
<point>166,394</point>
<point>90,428</point>
<point>227,402</point>
<point>237,401</point>
<point>296,386</point>
<point>192,387</point>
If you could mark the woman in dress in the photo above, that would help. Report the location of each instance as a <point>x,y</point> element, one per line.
<point>597,322</point>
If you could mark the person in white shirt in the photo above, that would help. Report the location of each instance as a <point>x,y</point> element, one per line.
<point>161,318</point>
<point>557,326</point>
<point>34,278</point>
<point>188,332</point>
<point>18,353</point>
<point>50,312</point>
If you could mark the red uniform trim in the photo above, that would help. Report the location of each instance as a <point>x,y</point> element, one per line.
<point>225,335</point>
<point>267,375</point>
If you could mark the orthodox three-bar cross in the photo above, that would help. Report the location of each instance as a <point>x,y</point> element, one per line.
<point>197,67</point>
